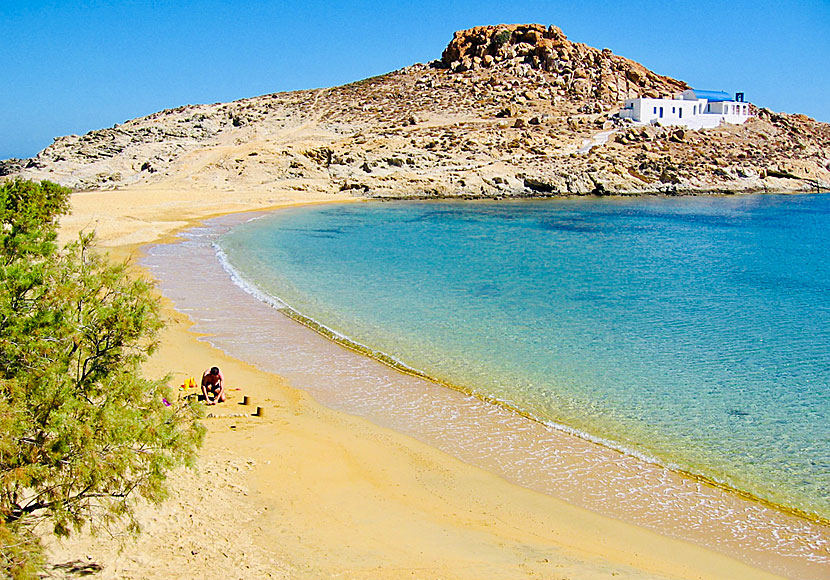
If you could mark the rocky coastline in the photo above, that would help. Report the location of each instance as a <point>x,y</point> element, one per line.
<point>508,111</point>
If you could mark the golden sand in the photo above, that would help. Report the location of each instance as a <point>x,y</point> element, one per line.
<point>308,492</point>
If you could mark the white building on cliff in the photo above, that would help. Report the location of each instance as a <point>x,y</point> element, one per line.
<point>692,108</point>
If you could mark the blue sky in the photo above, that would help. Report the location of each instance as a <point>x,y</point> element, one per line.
<point>73,66</point>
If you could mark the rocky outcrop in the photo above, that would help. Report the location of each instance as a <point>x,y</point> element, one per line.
<point>11,166</point>
<point>584,71</point>
<point>508,111</point>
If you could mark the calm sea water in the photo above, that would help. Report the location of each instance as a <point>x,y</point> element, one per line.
<point>691,331</point>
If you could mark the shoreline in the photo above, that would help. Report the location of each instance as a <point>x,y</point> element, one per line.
<point>401,367</point>
<point>581,471</point>
<point>278,302</point>
<point>591,551</point>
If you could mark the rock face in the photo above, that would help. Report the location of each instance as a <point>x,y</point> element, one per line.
<point>10,166</point>
<point>583,71</point>
<point>507,111</point>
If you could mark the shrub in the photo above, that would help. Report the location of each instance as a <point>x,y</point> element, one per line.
<point>81,431</point>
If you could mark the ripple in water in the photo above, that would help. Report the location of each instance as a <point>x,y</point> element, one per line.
<point>688,331</point>
<point>693,331</point>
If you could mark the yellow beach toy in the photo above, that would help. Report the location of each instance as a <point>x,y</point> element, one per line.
<point>189,383</point>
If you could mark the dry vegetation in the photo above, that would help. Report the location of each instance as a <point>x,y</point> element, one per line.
<point>503,113</point>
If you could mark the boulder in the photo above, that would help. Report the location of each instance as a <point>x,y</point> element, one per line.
<point>634,76</point>
<point>678,135</point>
<point>10,166</point>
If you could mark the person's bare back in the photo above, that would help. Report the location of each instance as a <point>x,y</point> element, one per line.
<point>213,386</point>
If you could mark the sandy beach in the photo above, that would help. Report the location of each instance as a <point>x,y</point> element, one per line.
<point>308,492</point>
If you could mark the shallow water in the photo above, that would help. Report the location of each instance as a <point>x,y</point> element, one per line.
<point>545,458</point>
<point>691,331</point>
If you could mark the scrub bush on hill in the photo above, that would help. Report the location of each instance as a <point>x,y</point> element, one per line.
<point>501,38</point>
<point>81,431</point>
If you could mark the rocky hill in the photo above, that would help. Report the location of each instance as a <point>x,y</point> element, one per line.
<point>507,111</point>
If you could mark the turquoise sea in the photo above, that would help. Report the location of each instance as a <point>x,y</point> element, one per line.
<point>692,332</point>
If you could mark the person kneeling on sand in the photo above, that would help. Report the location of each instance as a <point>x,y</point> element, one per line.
<point>213,386</point>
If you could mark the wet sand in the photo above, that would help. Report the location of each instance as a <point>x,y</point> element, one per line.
<point>553,461</point>
<point>307,491</point>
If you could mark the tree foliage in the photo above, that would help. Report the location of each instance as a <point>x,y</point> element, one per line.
<point>81,431</point>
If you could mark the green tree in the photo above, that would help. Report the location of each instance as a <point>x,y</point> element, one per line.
<point>81,431</point>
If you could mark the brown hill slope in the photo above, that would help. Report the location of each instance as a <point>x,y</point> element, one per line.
<point>507,111</point>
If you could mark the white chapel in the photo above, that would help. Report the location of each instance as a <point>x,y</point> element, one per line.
<point>693,108</point>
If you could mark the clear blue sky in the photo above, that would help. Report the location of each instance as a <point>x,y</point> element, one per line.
<point>73,66</point>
